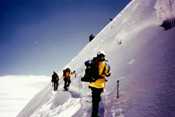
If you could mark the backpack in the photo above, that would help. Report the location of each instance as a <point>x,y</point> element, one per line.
<point>91,71</point>
<point>66,72</point>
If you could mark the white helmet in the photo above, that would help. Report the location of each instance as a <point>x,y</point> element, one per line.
<point>101,54</point>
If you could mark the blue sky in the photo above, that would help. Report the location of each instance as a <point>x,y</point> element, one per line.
<point>39,36</point>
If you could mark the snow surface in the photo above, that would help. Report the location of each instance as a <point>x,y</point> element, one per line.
<point>165,9</point>
<point>141,55</point>
<point>17,91</point>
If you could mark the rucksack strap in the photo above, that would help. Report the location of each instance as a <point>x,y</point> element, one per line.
<point>108,70</point>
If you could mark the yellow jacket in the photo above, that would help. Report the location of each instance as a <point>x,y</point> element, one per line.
<point>102,71</point>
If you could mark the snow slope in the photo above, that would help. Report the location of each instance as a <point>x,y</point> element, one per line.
<point>141,55</point>
<point>17,91</point>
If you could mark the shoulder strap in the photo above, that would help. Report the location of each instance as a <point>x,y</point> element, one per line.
<point>104,68</point>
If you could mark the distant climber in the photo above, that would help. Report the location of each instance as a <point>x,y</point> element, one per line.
<point>55,80</point>
<point>100,71</point>
<point>110,19</point>
<point>67,74</point>
<point>168,24</point>
<point>91,37</point>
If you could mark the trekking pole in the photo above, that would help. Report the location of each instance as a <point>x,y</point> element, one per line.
<point>117,89</point>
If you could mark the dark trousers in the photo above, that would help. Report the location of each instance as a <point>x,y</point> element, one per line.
<point>55,86</point>
<point>67,82</point>
<point>96,97</point>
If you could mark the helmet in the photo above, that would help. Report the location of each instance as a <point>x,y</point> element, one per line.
<point>101,54</point>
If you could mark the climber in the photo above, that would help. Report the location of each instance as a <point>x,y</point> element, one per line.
<point>55,80</point>
<point>67,74</point>
<point>91,37</point>
<point>98,85</point>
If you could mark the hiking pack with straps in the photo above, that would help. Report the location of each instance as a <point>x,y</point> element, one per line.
<point>91,71</point>
<point>65,71</point>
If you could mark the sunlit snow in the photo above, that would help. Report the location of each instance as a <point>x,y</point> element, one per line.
<point>17,91</point>
<point>141,55</point>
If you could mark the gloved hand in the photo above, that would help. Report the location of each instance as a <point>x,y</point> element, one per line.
<point>109,74</point>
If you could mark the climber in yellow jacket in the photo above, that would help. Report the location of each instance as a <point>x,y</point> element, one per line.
<point>102,72</point>
<point>98,85</point>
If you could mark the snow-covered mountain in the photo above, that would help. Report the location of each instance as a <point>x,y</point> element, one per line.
<point>141,55</point>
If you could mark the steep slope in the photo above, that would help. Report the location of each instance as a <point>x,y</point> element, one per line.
<point>141,55</point>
